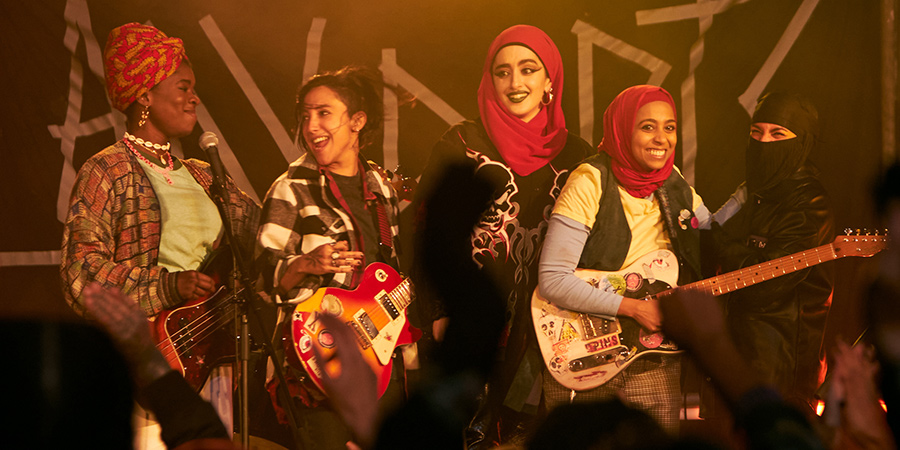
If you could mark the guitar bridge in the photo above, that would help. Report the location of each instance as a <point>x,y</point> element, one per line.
<point>364,342</point>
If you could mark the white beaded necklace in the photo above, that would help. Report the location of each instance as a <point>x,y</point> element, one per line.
<point>164,171</point>
<point>148,144</point>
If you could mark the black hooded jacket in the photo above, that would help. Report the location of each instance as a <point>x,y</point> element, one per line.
<point>778,325</point>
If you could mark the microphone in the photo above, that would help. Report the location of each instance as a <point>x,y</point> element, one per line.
<point>209,143</point>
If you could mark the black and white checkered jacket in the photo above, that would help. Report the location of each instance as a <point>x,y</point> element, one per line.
<point>302,211</point>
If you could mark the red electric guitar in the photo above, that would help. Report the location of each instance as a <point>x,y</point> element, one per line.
<point>199,335</point>
<point>375,310</point>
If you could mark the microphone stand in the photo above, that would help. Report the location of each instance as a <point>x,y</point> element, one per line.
<point>243,300</point>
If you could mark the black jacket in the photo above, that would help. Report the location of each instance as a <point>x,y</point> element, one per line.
<point>778,325</point>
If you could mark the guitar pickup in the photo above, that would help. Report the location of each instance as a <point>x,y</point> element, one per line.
<point>365,322</point>
<point>597,359</point>
<point>389,306</point>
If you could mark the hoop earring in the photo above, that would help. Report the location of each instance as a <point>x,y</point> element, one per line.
<point>144,115</point>
<point>549,95</point>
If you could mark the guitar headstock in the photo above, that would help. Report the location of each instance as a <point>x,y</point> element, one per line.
<point>860,242</point>
<point>404,185</point>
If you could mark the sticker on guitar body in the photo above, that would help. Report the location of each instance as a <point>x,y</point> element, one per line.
<point>602,343</point>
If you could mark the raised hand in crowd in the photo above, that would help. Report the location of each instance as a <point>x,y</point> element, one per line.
<point>855,393</point>
<point>187,421</point>
<point>351,385</point>
<point>127,325</point>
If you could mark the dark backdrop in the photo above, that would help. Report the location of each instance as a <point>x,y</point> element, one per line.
<point>250,56</point>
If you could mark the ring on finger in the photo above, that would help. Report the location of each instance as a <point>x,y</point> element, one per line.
<point>335,255</point>
<point>334,262</point>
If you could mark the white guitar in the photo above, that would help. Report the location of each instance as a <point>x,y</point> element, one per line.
<point>584,351</point>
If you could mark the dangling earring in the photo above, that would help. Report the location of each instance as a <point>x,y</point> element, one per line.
<point>549,95</point>
<point>144,115</point>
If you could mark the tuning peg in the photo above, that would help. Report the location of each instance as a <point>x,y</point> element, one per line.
<point>848,231</point>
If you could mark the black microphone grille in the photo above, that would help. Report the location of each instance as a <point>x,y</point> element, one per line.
<point>208,139</point>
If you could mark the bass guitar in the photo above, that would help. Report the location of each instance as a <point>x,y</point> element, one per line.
<point>199,335</point>
<point>375,310</point>
<point>583,351</point>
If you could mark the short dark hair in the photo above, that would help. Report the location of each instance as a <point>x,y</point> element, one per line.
<point>359,88</point>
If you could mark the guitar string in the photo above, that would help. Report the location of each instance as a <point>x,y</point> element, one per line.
<point>191,330</point>
<point>201,334</point>
<point>200,331</point>
<point>733,281</point>
<point>195,335</point>
<point>209,330</point>
<point>378,312</point>
<point>784,265</point>
<point>185,331</point>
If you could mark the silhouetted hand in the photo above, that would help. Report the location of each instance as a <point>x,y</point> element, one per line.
<point>129,329</point>
<point>863,422</point>
<point>691,318</point>
<point>353,391</point>
<point>645,312</point>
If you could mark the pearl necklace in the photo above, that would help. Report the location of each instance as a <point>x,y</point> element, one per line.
<point>148,144</point>
<point>164,171</point>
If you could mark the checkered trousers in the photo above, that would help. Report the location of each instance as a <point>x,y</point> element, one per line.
<point>648,384</point>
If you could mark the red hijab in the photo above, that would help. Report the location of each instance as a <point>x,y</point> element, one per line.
<point>525,147</point>
<point>618,126</point>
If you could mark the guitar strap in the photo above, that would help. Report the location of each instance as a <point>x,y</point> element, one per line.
<point>666,212</point>
<point>379,216</point>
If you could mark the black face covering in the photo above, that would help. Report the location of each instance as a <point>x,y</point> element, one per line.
<point>770,163</point>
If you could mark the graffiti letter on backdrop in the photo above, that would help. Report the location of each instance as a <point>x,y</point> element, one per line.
<point>78,23</point>
<point>251,90</point>
<point>588,37</point>
<point>704,10</point>
<point>749,97</point>
<point>394,75</point>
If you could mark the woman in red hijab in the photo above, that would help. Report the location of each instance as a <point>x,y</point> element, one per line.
<point>617,212</point>
<point>520,142</point>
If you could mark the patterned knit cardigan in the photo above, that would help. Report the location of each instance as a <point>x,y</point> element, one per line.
<point>112,231</point>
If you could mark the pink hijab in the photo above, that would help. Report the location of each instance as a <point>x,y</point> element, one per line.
<point>618,126</point>
<point>525,147</point>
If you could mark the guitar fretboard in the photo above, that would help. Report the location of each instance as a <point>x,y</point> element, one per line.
<point>402,294</point>
<point>749,276</point>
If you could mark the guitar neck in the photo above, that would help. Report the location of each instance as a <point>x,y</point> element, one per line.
<point>401,295</point>
<point>749,276</point>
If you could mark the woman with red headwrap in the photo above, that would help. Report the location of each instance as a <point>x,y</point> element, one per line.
<point>619,205</point>
<point>519,142</point>
<point>140,219</point>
